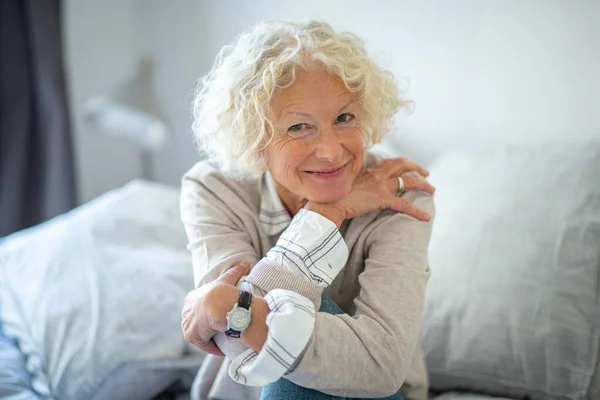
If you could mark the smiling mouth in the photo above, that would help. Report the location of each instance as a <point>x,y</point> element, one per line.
<point>330,171</point>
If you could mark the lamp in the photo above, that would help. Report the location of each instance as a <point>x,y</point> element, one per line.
<point>131,112</point>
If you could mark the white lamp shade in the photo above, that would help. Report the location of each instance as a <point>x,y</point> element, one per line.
<point>122,121</point>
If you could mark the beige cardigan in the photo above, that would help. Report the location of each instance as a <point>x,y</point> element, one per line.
<point>363,353</point>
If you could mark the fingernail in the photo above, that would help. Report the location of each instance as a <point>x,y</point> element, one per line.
<point>427,217</point>
<point>245,264</point>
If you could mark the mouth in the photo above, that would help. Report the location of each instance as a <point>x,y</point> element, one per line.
<point>325,171</point>
<point>328,172</point>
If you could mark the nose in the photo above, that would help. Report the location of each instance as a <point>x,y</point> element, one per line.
<point>329,147</point>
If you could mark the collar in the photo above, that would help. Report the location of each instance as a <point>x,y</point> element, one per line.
<point>273,215</point>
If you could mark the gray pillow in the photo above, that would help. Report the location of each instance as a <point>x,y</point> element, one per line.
<point>95,296</point>
<point>513,307</point>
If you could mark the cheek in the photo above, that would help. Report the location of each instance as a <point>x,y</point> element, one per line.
<point>356,146</point>
<point>285,157</point>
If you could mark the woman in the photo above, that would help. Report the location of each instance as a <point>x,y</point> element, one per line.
<point>285,116</point>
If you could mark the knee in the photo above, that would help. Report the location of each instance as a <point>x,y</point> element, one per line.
<point>328,306</point>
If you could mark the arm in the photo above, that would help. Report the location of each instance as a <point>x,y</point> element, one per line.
<point>219,238</point>
<point>370,353</point>
<point>207,231</point>
<point>306,259</point>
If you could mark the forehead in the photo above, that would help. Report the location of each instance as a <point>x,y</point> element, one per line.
<point>313,88</point>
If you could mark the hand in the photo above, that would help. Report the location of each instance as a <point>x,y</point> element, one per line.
<point>377,188</point>
<point>204,309</point>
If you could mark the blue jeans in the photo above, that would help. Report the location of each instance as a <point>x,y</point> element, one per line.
<point>284,389</point>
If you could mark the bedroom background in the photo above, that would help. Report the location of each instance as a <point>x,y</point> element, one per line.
<point>507,118</point>
<point>478,71</point>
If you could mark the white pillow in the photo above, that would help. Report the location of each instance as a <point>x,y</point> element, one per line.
<point>97,289</point>
<point>512,306</point>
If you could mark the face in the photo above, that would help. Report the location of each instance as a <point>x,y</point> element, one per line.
<point>317,148</point>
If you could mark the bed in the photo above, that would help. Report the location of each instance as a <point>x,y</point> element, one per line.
<point>90,301</point>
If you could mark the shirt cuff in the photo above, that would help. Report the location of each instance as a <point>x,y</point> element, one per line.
<point>311,247</point>
<point>291,324</point>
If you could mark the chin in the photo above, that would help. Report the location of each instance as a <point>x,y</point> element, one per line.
<point>330,195</point>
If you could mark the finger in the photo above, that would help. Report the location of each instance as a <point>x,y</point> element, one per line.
<point>406,207</point>
<point>412,182</point>
<point>208,346</point>
<point>211,347</point>
<point>233,274</point>
<point>402,165</point>
<point>394,185</point>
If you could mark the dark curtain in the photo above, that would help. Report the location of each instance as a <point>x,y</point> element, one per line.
<point>36,157</point>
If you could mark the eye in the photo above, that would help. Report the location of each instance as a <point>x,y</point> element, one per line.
<point>346,117</point>
<point>296,128</point>
<point>300,130</point>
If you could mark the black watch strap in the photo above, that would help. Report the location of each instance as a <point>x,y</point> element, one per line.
<point>245,299</point>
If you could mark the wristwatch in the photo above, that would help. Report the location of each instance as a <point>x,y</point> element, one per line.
<point>238,318</point>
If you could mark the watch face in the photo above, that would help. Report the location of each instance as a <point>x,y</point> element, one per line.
<point>239,319</point>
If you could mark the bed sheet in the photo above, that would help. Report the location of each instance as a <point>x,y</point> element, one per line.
<point>90,301</point>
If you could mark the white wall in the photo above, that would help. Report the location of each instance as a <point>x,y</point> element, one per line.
<point>478,71</point>
<point>101,51</point>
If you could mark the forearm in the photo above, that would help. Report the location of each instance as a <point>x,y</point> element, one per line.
<point>256,334</point>
<point>307,256</point>
<point>374,350</point>
<point>363,356</point>
<point>292,276</point>
<point>366,355</point>
<point>281,268</point>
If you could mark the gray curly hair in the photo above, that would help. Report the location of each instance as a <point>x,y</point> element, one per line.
<point>232,103</point>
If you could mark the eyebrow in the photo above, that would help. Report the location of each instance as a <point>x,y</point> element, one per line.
<point>309,116</point>
<point>296,113</point>
<point>347,104</point>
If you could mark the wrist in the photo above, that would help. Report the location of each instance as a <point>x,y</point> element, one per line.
<point>222,298</point>
<point>256,334</point>
<point>332,212</point>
